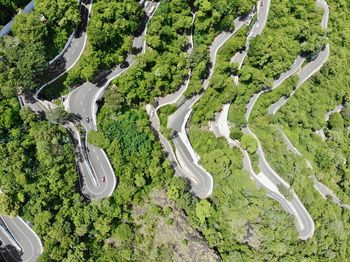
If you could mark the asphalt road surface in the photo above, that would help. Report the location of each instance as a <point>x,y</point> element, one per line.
<point>74,48</point>
<point>312,67</point>
<point>19,241</point>
<point>98,174</point>
<point>305,224</point>
<point>188,160</point>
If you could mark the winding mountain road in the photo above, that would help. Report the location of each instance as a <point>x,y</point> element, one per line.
<point>267,177</point>
<point>100,180</point>
<point>185,158</point>
<point>305,224</point>
<point>20,243</point>
<point>310,68</point>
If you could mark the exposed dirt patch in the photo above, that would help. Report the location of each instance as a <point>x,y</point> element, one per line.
<point>172,231</point>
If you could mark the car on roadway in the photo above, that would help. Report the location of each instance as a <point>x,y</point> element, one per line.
<point>103,179</point>
<point>87,120</point>
<point>151,10</point>
<point>125,64</point>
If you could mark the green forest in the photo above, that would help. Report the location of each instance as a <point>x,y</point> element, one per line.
<point>153,215</point>
<point>8,9</point>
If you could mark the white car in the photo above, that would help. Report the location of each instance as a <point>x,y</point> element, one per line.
<point>151,10</point>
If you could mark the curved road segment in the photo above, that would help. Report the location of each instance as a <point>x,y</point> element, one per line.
<point>312,67</point>
<point>20,243</point>
<point>267,178</point>
<point>305,224</point>
<point>74,47</point>
<point>98,174</point>
<point>187,161</point>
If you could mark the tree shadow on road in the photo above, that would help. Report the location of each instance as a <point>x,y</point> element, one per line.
<point>9,253</point>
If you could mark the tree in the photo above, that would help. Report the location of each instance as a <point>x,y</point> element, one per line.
<point>27,115</point>
<point>336,121</point>
<point>285,192</point>
<point>236,133</point>
<point>62,13</point>
<point>58,115</point>
<point>345,112</point>
<point>249,143</point>
<point>199,54</point>
<point>29,28</point>
<point>203,210</point>
<point>122,234</point>
<point>7,207</point>
<point>21,66</point>
<point>98,139</point>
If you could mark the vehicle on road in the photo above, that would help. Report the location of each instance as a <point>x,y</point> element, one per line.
<point>125,64</point>
<point>151,10</point>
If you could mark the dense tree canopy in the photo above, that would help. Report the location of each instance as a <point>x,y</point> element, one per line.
<point>8,9</point>
<point>37,163</point>
<point>111,30</point>
<point>21,65</point>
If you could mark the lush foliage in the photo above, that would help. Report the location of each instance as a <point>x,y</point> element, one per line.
<point>217,16</point>
<point>299,119</point>
<point>111,29</point>
<point>8,9</point>
<point>147,215</point>
<point>21,66</point>
<point>222,88</point>
<point>61,19</point>
<point>293,28</point>
<point>38,36</point>
<point>160,70</point>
